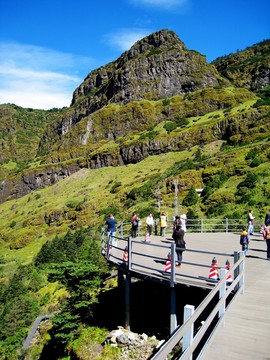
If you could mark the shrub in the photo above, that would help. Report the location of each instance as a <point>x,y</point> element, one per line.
<point>191,198</point>
<point>255,162</point>
<point>149,135</point>
<point>252,154</point>
<point>191,214</point>
<point>216,209</point>
<point>170,126</point>
<point>181,122</point>
<point>116,185</point>
<point>12,224</point>
<point>249,181</point>
<point>72,204</point>
<point>166,102</point>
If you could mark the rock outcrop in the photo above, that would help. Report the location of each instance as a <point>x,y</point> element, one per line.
<point>158,66</point>
<point>139,346</point>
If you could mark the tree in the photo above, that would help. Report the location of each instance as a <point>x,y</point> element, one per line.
<point>191,198</point>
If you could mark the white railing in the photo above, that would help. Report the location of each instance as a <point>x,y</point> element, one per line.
<point>186,333</point>
<point>193,225</point>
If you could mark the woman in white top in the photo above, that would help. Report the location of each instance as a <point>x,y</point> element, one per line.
<point>150,223</point>
<point>183,219</point>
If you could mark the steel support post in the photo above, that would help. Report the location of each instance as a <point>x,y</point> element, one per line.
<point>127,301</point>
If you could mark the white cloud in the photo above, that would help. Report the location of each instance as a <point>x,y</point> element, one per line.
<point>165,4</point>
<point>123,39</point>
<point>37,77</point>
<point>35,99</point>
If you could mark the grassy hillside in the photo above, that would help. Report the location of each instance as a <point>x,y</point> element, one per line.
<point>85,198</point>
<point>21,130</point>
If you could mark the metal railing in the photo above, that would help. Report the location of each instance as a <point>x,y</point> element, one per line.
<point>186,332</point>
<point>193,225</point>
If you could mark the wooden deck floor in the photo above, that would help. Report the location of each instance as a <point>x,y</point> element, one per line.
<point>244,332</point>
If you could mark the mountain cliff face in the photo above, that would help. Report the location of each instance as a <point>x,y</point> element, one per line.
<point>158,66</point>
<point>248,68</point>
<point>154,98</point>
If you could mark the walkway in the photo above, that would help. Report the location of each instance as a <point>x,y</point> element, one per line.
<point>244,332</point>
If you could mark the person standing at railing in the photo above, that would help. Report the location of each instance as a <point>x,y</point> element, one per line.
<point>251,219</point>
<point>162,224</point>
<point>111,229</point>
<point>183,219</point>
<point>178,237</point>
<point>176,221</point>
<point>149,224</point>
<point>134,225</point>
<point>244,240</point>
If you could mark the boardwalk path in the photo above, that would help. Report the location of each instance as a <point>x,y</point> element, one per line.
<point>244,332</point>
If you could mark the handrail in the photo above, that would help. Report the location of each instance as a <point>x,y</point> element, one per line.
<point>167,347</point>
<point>200,225</point>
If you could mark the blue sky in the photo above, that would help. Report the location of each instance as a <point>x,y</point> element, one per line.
<point>47,47</point>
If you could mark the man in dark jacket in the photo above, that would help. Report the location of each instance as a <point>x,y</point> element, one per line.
<point>178,236</point>
<point>111,223</point>
<point>267,218</point>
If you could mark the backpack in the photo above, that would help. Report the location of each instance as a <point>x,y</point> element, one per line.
<point>243,239</point>
<point>267,232</point>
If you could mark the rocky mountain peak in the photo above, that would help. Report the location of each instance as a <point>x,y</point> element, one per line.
<point>157,66</point>
<point>162,40</point>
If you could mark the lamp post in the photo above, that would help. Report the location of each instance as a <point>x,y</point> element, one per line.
<point>175,182</point>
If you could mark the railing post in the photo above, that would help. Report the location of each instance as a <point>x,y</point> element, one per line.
<point>173,319</point>
<point>201,225</point>
<point>236,271</point>
<point>156,228</point>
<point>127,300</point>
<point>227,225</point>
<point>242,272</point>
<point>121,229</point>
<point>173,246</point>
<point>127,286</point>
<point>109,247</point>
<point>129,253</point>
<point>222,293</point>
<point>102,234</point>
<point>188,336</point>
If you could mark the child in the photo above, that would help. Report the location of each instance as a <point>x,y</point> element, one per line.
<point>244,240</point>
<point>262,230</point>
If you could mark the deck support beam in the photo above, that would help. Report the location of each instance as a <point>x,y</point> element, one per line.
<point>173,319</point>
<point>127,300</point>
